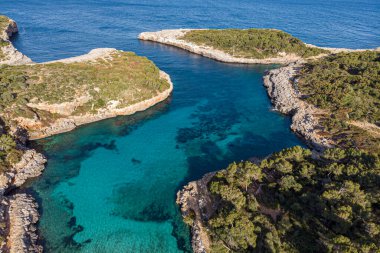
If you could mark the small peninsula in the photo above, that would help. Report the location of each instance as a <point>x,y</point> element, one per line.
<point>247,46</point>
<point>42,99</point>
<point>296,200</point>
<point>55,97</point>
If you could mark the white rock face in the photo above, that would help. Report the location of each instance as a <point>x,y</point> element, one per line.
<point>23,216</point>
<point>287,100</point>
<point>12,55</point>
<point>31,165</point>
<point>9,30</point>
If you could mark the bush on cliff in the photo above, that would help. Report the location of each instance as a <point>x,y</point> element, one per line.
<point>9,154</point>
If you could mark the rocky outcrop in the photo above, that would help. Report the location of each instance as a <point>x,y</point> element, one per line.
<point>9,29</point>
<point>196,208</point>
<point>31,165</point>
<point>18,211</point>
<point>13,56</point>
<point>22,216</point>
<point>9,54</point>
<point>286,99</point>
<point>64,117</point>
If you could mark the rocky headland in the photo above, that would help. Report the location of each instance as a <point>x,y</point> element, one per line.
<point>8,53</point>
<point>175,38</point>
<point>118,83</point>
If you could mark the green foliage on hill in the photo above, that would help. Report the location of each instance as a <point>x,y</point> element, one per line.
<point>251,43</point>
<point>292,202</point>
<point>9,154</point>
<point>123,77</point>
<point>347,87</point>
<point>348,84</point>
<point>4,21</point>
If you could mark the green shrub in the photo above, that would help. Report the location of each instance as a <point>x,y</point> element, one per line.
<point>252,43</point>
<point>329,204</point>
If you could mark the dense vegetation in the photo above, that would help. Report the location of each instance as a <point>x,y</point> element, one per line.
<point>123,77</point>
<point>4,21</point>
<point>347,87</point>
<point>292,202</point>
<point>251,43</point>
<point>9,153</point>
<point>347,84</point>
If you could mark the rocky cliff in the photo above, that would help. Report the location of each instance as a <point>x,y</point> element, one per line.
<point>286,99</point>
<point>8,53</point>
<point>196,207</point>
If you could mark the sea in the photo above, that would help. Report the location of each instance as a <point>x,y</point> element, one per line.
<point>111,186</point>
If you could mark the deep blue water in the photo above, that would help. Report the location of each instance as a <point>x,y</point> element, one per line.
<point>110,186</point>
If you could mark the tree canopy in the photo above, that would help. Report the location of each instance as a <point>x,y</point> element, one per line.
<point>292,202</point>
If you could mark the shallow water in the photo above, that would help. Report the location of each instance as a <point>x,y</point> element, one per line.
<point>110,186</point>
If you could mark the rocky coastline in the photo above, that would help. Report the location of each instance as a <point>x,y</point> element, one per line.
<point>287,100</point>
<point>19,211</point>
<point>195,200</point>
<point>68,122</point>
<point>196,207</point>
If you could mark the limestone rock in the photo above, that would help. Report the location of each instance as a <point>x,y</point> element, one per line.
<point>11,55</point>
<point>31,165</point>
<point>23,216</point>
<point>196,205</point>
<point>286,99</point>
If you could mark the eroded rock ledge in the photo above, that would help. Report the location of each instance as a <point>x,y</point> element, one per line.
<point>22,219</point>
<point>286,99</point>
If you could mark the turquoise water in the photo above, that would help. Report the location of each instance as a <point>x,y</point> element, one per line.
<point>110,186</point>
